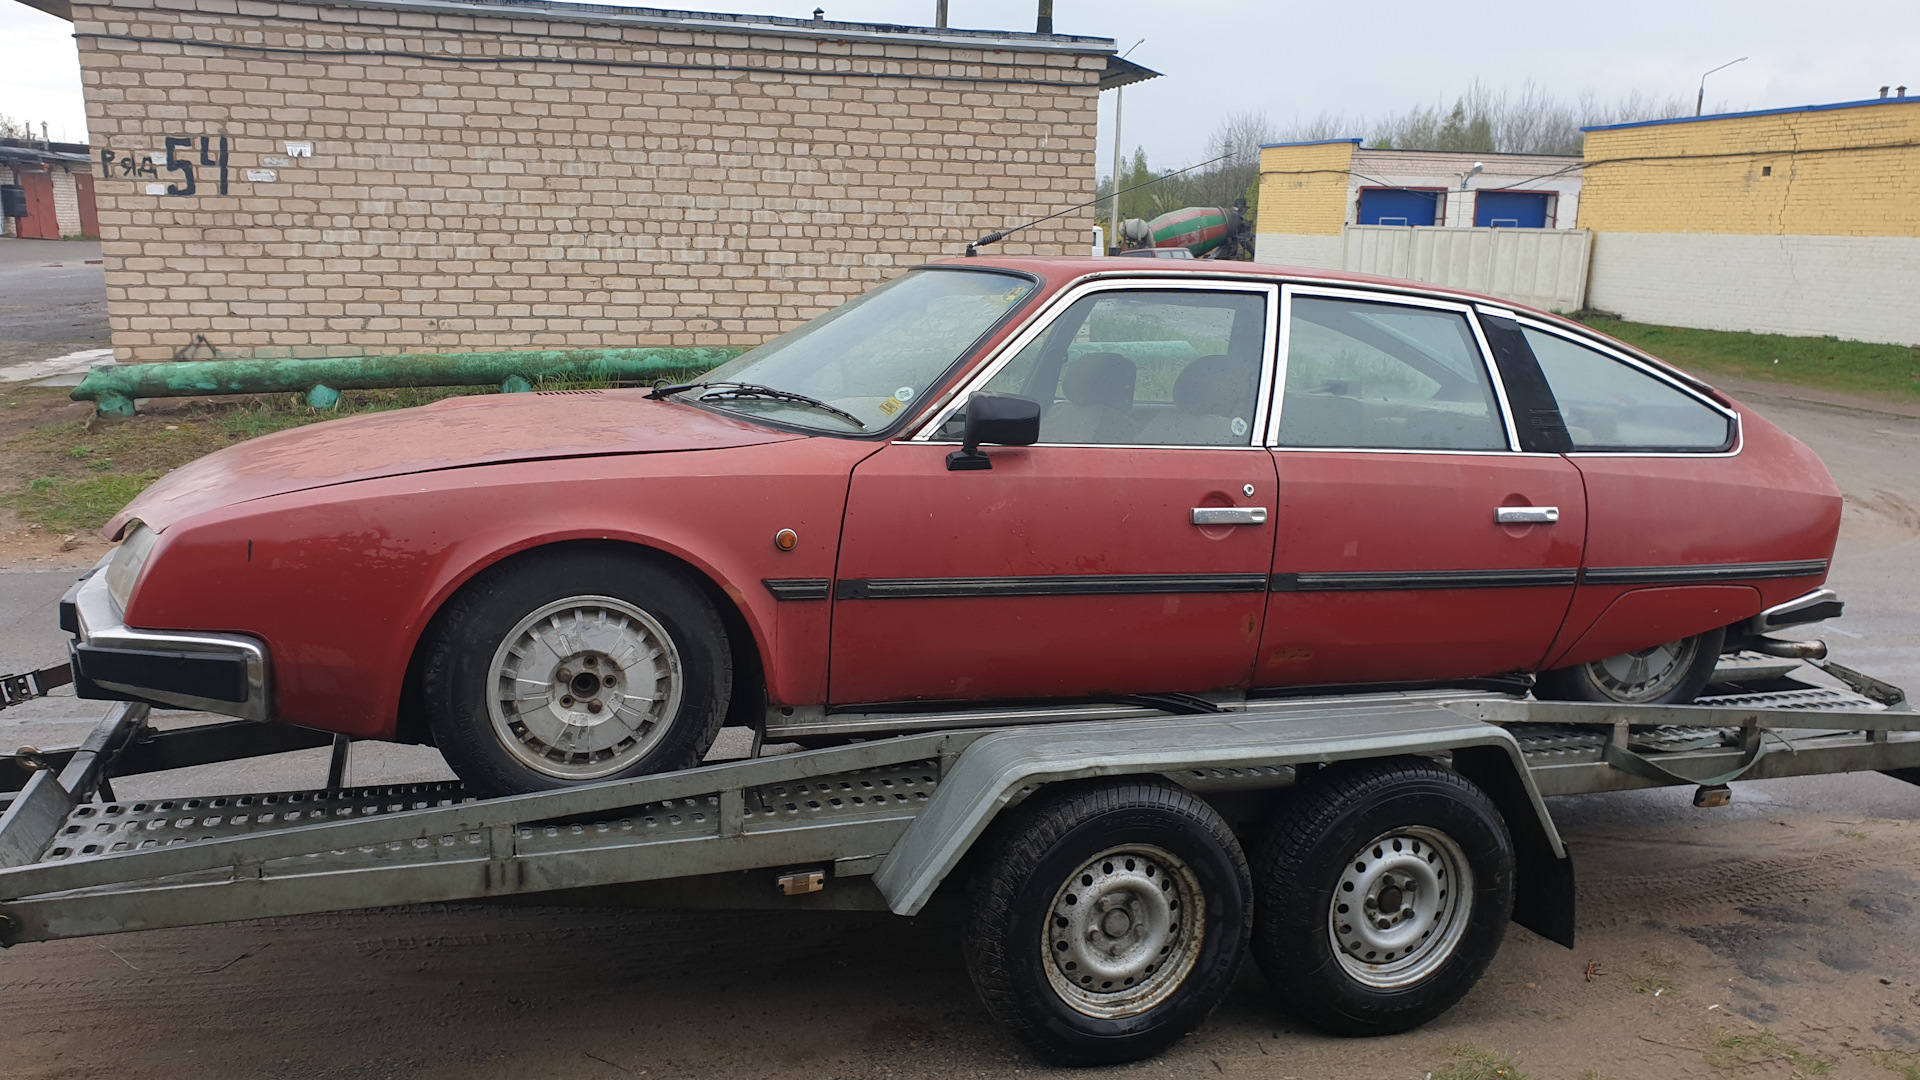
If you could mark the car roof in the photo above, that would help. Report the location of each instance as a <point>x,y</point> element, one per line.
<point>1064,269</point>
<point>1060,271</point>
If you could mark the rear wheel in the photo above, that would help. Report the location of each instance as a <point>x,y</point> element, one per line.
<point>1384,890</point>
<point>572,667</point>
<point>1108,922</point>
<point>1670,674</point>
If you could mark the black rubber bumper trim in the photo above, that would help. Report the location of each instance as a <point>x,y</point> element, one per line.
<point>1046,585</point>
<point>211,675</point>
<point>1384,581</point>
<point>1705,573</point>
<point>798,588</point>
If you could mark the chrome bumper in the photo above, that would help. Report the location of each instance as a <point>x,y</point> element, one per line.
<point>217,673</point>
<point>1812,607</point>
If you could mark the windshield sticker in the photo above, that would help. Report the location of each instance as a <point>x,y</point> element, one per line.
<point>891,405</point>
<point>1239,426</point>
<point>905,394</point>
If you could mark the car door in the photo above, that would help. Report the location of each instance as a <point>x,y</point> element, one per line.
<point>1126,552</point>
<point>1416,537</point>
<point>1700,516</point>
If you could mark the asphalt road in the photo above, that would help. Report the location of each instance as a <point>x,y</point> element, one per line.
<point>1791,913</point>
<point>52,292</point>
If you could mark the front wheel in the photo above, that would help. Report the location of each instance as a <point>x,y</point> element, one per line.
<point>1384,890</point>
<point>1670,674</point>
<point>581,665</point>
<point>1108,922</point>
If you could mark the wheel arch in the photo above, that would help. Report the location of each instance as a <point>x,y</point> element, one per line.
<point>1543,885</point>
<point>744,635</point>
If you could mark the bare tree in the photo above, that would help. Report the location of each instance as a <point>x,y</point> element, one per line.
<point>14,129</point>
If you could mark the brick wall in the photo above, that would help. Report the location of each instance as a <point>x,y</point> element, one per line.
<point>1809,172</point>
<point>570,179</point>
<point>1303,188</point>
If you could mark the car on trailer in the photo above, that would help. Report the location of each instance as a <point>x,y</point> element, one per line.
<point>1002,481</point>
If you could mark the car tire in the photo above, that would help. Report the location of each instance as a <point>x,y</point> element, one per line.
<point>1167,903</point>
<point>1352,840</point>
<point>1670,674</point>
<point>506,672</point>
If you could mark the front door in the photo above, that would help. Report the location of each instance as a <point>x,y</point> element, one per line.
<point>1075,567</point>
<point>1415,542</point>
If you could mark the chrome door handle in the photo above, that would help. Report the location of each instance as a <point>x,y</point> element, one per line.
<point>1229,515</point>
<point>1526,515</point>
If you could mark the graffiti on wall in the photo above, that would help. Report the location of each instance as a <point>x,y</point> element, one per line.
<point>182,169</point>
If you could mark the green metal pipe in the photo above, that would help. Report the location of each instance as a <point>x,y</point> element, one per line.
<point>113,387</point>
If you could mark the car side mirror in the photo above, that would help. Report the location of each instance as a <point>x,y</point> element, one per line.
<point>996,419</point>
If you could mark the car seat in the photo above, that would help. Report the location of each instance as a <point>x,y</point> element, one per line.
<point>1099,401</point>
<point>1208,396</point>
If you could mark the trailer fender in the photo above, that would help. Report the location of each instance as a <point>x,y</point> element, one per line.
<point>1543,868</point>
<point>997,768</point>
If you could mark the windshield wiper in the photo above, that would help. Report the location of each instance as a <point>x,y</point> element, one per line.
<point>725,390</point>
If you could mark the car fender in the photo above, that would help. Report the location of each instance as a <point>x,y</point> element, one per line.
<point>343,581</point>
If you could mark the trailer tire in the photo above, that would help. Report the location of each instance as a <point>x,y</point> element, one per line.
<point>1392,838</point>
<point>1108,921</point>
<point>639,630</point>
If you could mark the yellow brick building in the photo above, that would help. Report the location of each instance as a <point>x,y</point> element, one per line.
<point>1820,170</point>
<point>1799,221</point>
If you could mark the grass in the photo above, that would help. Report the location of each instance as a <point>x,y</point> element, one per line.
<point>1654,974</point>
<point>1887,372</point>
<point>1741,1051</point>
<point>1905,1063</point>
<point>1471,1062</point>
<point>78,474</point>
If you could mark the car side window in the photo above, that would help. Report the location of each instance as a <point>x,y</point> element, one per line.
<point>1369,375</point>
<point>1609,404</point>
<point>1149,367</point>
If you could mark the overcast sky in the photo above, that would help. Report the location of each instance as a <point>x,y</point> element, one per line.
<point>1298,59</point>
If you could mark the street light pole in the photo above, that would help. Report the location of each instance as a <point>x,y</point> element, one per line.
<point>1113,212</point>
<point>1700,101</point>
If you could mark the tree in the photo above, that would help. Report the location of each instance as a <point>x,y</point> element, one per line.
<point>14,129</point>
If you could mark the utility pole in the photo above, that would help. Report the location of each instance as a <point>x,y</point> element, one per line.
<point>1700,101</point>
<point>1043,23</point>
<point>940,14</point>
<point>1114,242</point>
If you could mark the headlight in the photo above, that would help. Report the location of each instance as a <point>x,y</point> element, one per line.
<point>127,562</point>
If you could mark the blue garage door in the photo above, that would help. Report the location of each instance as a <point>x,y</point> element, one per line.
<point>1510,209</point>
<point>1399,206</point>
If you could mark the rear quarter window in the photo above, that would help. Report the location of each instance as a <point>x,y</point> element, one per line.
<point>1610,404</point>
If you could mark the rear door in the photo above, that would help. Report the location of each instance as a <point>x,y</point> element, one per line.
<point>1416,538</point>
<point>1077,567</point>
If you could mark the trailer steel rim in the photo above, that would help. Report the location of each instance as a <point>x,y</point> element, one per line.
<point>1124,931</point>
<point>1401,906</point>
<point>1645,674</point>
<point>583,687</point>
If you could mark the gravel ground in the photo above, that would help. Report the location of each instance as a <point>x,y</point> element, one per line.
<point>1771,938</point>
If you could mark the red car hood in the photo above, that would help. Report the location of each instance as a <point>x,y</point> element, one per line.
<point>449,434</point>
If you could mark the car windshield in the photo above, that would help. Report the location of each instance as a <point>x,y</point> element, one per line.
<point>871,356</point>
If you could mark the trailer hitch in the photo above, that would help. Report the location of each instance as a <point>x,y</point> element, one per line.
<point>20,689</point>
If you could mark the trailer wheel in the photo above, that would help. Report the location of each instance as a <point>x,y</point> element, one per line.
<point>1384,891</point>
<point>579,665</point>
<point>1107,922</point>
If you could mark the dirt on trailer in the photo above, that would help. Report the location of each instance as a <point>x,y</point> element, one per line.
<point>1770,939</point>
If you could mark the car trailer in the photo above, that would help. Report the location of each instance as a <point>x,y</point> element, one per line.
<point>1111,863</point>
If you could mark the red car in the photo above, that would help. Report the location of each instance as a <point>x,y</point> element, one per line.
<point>1019,483</point>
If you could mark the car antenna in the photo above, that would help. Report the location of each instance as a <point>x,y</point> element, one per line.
<point>996,237</point>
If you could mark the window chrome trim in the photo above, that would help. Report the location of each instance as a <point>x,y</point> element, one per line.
<point>1659,375</point>
<point>1047,316</point>
<point>1465,309</point>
